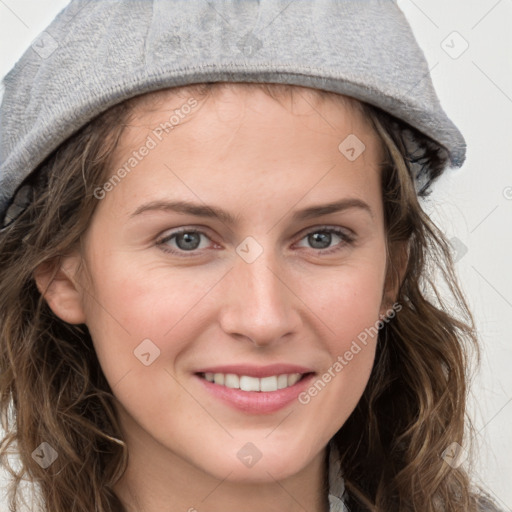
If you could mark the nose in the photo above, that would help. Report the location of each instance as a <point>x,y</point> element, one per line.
<point>258,303</point>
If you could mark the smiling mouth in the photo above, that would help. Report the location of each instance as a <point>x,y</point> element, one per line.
<point>248,383</point>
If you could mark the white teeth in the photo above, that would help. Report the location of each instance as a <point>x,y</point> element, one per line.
<point>232,381</point>
<point>247,383</point>
<point>282,381</point>
<point>293,379</point>
<point>268,384</point>
<point>218,378</point>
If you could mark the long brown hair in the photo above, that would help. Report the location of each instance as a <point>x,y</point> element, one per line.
<point>52,388</point>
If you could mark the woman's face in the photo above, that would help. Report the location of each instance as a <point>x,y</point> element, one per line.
<point>244,245</point>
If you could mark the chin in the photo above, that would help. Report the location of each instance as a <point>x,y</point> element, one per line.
<point>250,464</point>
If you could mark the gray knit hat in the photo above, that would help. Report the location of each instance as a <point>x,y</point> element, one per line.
<point>98,53</point>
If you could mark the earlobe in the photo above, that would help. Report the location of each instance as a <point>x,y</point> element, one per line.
<point>57,283</point>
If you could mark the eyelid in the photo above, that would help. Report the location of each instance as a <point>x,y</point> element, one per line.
<point>326,227</point>
<point>170,234</point>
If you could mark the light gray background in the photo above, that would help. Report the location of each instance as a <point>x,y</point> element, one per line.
<point>473,204</point>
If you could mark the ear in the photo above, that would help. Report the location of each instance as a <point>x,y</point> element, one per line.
<point>57,283</point>
<point>398,259</point>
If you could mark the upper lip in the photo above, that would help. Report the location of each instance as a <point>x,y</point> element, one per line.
<point>257,371</point>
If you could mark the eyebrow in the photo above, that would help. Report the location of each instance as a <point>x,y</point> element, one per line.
<point>207,211</point>
<point>337,206</point>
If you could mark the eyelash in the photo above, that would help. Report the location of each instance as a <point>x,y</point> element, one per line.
<point>347,240</point>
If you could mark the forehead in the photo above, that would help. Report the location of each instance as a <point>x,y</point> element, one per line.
<point>247,139</point>
<point>228,103</point>
<point>224,95</point>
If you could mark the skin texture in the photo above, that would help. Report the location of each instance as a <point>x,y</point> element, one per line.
<point>261,160</point>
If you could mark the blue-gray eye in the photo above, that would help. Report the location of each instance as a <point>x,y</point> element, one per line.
<point>183,241</point>
<point>188,241</point>
<point>320,239</point>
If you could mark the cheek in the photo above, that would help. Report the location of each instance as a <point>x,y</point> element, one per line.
<point>346,299</point>
<point>129,303</point>
<point>348,303</point>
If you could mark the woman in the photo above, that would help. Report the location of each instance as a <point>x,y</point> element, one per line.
<point>218,294</point>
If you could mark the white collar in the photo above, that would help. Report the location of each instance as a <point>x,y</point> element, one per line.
<point>336,481</point>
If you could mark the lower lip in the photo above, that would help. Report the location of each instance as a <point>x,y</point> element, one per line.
<point>257,402</point>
